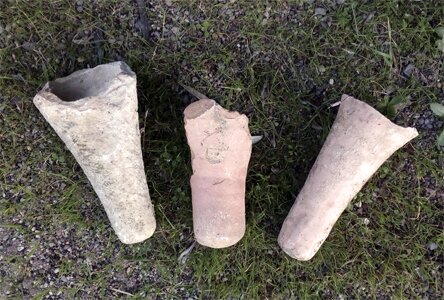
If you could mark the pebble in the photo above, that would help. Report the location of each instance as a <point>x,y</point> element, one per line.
<point>175,30</point>
<point>409,69</point>
<point>432,246</point>
<point>28,46</point>
<point>320,11</point>
<point>79,5</point>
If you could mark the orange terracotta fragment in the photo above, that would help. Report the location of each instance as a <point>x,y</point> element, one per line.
<point>220,144</point>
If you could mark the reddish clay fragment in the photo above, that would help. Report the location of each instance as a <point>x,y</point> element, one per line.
<point>220,145</point>
<point>360,141</point>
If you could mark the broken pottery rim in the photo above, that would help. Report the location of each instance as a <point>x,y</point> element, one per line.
<point>347,98</point>
<point>123,75</point>
<point>203,106</point>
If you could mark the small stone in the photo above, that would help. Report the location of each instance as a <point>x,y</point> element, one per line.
<point>331,81</point>
<point>20,248</point>
<point>28,46</point>
<point>326,21</point>
<point>408,71</point>
<point>175,30</point>
<point>432,246</point>
<point>169,2</point>
<point>320,11</point>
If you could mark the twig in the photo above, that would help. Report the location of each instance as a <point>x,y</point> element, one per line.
<point>335,104</point>
<point>193,92</point>
<point>121,292</point>
<point>185,254</point>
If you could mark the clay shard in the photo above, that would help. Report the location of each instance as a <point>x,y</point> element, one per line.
<point>220,144</point>
<point>359,142</point>
<point>94,111</point>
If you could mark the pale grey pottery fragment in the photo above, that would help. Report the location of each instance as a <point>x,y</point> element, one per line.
<point>94,111</point>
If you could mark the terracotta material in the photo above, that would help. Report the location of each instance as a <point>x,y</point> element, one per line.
<point>359,142</point>
<point>94,111</point>
<point>220,144</point>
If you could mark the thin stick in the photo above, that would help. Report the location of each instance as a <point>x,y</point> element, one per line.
<point>122,292</point>
<point>193,92</point>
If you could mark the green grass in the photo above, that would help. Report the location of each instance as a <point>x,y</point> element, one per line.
<point>279,76</point>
